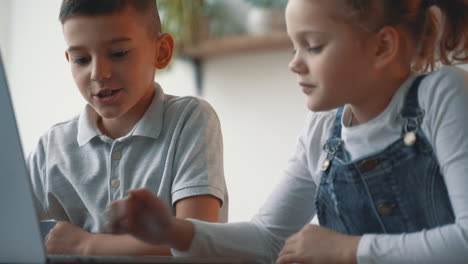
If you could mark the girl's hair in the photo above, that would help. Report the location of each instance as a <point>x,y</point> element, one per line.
<point>441,33</point>
<point>145,8</point>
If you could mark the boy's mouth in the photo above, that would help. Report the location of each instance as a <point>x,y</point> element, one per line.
<point>108,92</point>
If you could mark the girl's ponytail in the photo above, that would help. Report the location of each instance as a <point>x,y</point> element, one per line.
<point>452,47</point>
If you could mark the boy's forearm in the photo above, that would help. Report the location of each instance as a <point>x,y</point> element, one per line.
<point>179,237</point>
<point>106,244</point>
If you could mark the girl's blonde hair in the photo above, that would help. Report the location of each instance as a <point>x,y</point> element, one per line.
<point>439,27</point>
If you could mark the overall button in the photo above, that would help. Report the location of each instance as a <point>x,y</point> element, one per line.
<point>325,165</point>
<point>115,183</point>
<point>368,165</point>
<point>410,139</point>
<point>116,155</point>
<point>385,209</point>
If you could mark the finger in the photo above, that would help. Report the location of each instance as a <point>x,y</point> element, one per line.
<point>289,258</point>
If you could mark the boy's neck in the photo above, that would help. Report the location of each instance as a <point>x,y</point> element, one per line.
<point>119,127</point>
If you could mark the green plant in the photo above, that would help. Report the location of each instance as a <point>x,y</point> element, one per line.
<point>182,19</point>
<point>267,3</point>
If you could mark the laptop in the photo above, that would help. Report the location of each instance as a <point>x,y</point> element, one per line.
<point>21,240</point>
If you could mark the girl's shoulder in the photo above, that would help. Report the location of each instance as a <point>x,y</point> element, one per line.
<point>318,126</point>
<point>442,85</point>
<point>445,77</point>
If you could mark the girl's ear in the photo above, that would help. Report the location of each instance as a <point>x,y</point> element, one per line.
<point>164,50</point>
<point>387,46</point>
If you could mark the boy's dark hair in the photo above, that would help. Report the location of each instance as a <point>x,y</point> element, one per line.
<point>147,8</point>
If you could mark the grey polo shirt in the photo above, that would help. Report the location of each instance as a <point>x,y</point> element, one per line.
<point>175,150</point>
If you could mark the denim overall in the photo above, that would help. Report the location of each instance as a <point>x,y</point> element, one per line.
<point>398,190</point>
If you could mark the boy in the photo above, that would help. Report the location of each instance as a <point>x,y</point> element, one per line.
<point>129,135</point>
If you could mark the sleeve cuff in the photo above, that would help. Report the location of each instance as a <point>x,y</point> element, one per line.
<point>197,190</point>
<point>364,250</point>
<point>192,249</point>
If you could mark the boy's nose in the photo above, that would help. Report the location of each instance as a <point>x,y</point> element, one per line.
<point>100,71</point>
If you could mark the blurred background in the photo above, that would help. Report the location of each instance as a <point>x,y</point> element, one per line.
<point>242,73</point>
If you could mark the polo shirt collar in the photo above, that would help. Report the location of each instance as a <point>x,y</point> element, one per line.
<point>150,125</point>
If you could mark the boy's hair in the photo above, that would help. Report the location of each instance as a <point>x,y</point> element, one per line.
<point>441,34</point>
<point>146,8</point>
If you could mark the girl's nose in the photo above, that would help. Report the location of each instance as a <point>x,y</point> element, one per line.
<point>297,65</point>
<point>100,70</point>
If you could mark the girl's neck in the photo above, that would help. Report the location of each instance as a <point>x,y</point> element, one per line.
<point>376,101</point>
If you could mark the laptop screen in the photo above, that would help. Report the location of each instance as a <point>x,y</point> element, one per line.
<point>20,238</point>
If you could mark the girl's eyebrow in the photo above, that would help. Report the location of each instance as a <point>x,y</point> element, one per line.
<point>112,41</point>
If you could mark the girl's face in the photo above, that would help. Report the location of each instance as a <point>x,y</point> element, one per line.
<point>332,59</point>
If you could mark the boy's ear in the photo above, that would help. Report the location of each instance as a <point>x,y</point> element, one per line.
<point>67,56</point>
<point>387,45</point>
<point>165,50</point>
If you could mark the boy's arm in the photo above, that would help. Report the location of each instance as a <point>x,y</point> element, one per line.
<point>66,238</point>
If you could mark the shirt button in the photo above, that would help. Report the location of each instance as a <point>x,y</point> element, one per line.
<point>410,139</point>
<point>115,183</point>
<point>116,155</point>
<point>385,209</point>
<point>368,165</point>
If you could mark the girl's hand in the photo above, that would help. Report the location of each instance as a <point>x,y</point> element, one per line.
<point>142,215</point>
<point>315,245</point>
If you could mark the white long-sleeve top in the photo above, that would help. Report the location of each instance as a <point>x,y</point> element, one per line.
<point>443,96</point>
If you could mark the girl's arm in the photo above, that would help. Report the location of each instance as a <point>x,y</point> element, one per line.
<point>285,212</point>
<point>66,238</point>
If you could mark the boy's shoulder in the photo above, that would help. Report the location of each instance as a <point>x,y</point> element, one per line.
<point>187,104</point>
<point>66,128</point>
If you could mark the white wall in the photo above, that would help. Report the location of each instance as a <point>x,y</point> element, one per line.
<point>4,28</point>
<point>260,106</point>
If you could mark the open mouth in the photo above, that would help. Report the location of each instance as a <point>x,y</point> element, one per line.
<point>108,93</point>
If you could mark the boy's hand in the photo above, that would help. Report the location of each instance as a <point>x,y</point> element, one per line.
<point>316,244</point>
<point>66,238</point>
<point>142,215</point>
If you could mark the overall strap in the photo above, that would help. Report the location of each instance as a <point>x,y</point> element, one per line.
<point>336,132</point>
<point>334,143</point>
<point>411,112</point>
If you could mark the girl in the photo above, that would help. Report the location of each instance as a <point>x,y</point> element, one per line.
<point>382,159</point>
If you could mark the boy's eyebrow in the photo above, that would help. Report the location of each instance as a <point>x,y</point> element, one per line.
<point>112,41</point>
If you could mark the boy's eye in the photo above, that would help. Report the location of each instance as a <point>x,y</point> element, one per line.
<point>315,49</point>
<point>81,61</point>
<point>120,54</point>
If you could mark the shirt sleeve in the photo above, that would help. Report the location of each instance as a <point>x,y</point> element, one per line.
<point>286,211</point>
<point>35,164</point>
<point>198,162</point>
<point>444,98</point>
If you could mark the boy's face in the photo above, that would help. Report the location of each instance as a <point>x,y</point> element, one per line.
<point>330,59</point>
<point>113,60</point>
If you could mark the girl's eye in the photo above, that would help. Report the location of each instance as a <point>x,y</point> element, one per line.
<point>120,54</point>
<point>81,61</point>
<point>315,49</point>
